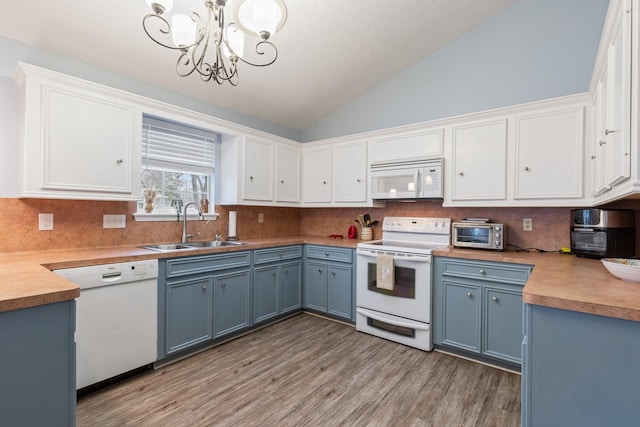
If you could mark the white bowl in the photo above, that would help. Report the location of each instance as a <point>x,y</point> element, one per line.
<point>625,269</point>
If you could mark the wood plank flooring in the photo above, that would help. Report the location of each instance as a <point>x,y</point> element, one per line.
<point>310,371</point>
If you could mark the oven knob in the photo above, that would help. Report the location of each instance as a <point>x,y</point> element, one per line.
<point>497,228</point>
<point>496,243</point>
<point>498,236</point>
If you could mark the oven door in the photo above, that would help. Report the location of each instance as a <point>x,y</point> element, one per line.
<point>411,294</point>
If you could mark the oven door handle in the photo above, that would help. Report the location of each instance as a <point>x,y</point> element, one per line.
<point>373,315</point>
<point>412,258</point>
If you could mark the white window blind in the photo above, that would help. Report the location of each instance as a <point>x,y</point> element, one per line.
<point>168,145</point>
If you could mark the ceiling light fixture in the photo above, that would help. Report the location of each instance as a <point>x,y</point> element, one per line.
<point>211,47</point>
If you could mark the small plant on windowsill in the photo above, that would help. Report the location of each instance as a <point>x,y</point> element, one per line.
<point>149,198</point>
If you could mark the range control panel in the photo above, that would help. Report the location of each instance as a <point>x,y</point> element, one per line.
<point>417,225</point>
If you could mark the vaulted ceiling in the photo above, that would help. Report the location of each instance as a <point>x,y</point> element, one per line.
<point>330,51</point>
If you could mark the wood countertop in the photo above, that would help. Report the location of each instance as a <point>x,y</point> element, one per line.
<point>27,280</point>
<point>566,282</point>
<point>559,281</point>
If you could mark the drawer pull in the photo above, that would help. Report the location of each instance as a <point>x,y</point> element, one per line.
<point>482,271</point>
<point>495,299</point>
<point>326,254</point>
<point>333,273</point>
<point>469,294</point>
<point>320,270</point>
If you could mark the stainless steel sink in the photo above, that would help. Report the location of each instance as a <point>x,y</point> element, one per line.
<point>168,247</point>
<point>213,244</point>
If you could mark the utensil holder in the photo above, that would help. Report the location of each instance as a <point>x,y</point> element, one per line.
<point>366,233</point>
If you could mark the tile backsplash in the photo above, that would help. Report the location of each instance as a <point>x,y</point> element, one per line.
<point>78,223</point>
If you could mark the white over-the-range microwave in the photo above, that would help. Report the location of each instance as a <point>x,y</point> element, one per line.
<point>419,178</point>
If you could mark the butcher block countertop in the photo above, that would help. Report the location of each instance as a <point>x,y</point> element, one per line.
<point>26,280</point>
<point>558,281</point>
<point>566,282</point>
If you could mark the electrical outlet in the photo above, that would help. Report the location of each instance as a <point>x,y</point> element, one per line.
<point>260,218</point>
<point>527,224</point>
<point>114,221</point>
<point>45,221</point>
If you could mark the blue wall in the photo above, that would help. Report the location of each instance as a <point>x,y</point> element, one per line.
<point>533,50</point>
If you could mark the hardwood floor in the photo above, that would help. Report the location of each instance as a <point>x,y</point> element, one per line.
<point>309,371</point>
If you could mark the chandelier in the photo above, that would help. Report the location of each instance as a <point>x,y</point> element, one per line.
<point>212,47</point>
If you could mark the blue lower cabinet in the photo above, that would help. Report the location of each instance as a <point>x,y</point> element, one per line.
<point>339,292</point>
<point>329,282</point>
<point>477,308</point>
<point>315,286</point>
<point>579,369</point>
<point>189,312</point>
<point>461,316</point>
<point>277,282</point>
<point>38,366</point>
<point>265,293</point>
<point>231,302</point>
<point>290,275</point>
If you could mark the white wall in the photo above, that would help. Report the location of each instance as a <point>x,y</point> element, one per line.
<point>8,137</point>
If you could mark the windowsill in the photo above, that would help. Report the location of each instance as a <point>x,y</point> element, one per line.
<point>171,216</point>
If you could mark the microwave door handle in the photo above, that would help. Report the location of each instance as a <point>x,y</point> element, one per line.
<point>418,184</point>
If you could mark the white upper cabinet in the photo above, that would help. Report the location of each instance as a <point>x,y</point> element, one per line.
<point>78,140</point>
<point>479,161</point>
<point>287,173</point>
<point>350,172</point>
<point>614,143</point>
<point>422,143</point>
<point>258,170</point>
<point>316,175</point>
<point>549,154</point>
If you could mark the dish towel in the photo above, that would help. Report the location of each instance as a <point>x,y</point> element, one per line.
<point>385,272</point>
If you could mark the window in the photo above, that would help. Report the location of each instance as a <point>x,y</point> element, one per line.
<point>177,162</point>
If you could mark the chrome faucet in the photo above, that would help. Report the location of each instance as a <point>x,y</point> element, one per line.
<point>185,236</point>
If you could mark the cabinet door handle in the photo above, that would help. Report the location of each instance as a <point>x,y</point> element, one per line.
<point>527,168</point>
<point>358,180</point>
<point>601,143</point>
<point>333,273</point>
<point>273,274</point>
<point>320,271</point>
<point>250,178</point>
<point>282,181</point>
<point>204,289</point>
<point>481,271</point>
<point>286,272</point>
<point>119,161</point>
<point>461,173</point>
<point>593,157</point>
<point>326,254</point>
<point>224,285</point>
<point>469,294</point>
<point>495,299</point>
<point>324,182</point>
<point>608,131</point>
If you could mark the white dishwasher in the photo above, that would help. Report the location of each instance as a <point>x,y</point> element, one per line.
<point>116,318</point>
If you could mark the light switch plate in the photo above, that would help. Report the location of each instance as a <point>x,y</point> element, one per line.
<point>114,221</point>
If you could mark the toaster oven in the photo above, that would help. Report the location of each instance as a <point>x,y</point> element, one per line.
<point>479,234</point>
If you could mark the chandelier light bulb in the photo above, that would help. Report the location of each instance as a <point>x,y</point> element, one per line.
<point>160,6</point>
<point>184,30</point>
<point>260,16</point>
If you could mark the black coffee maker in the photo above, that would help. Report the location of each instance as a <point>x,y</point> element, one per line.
<point>603,233</point>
